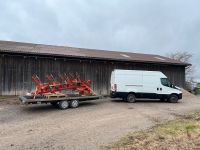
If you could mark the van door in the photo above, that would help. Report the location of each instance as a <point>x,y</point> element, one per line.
<point>165,87</point>
<point>150,85</point>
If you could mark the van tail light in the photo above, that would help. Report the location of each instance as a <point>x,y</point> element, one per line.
<point>115,87</point>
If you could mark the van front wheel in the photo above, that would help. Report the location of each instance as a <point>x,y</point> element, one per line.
<point>131,98</point>
<point>173,98</point>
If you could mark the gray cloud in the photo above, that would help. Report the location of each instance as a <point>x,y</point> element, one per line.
<point>142,26</point>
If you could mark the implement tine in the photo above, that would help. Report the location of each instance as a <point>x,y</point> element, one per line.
<point>71,76</point>
<point>77,76</point>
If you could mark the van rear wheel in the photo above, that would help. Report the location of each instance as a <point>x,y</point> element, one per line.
<point>130,98</point>
<point>173,98</point>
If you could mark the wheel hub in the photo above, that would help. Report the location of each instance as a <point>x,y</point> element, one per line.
<point>74,103</point>
<point>65,104</point>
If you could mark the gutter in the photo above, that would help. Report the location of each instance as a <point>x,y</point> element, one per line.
<point>93,58</point>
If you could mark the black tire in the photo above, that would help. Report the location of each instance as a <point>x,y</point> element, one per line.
<point>54,104</point>
<point>130,98</point>
<point>173,98</point>
<point>74,103</point>
<point>63,104</point>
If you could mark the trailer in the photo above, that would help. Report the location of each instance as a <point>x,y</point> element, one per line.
<point>67,92</point>
<point>64,102</point>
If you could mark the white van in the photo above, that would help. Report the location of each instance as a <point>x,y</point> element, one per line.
<point>132,84</point>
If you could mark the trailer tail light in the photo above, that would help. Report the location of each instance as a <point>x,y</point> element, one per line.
<point>115,87</point>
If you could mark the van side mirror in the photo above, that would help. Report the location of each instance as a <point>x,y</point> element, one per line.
<point>173,86</point>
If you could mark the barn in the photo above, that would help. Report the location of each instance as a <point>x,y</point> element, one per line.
<point>19,61</point>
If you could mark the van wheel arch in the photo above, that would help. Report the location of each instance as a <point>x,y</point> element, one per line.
<point>174,94</point>
<point>131,93</point>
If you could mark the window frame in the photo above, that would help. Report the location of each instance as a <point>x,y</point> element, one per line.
<point>169,84</point>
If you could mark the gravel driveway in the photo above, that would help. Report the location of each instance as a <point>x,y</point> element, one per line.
<point>90,126</point>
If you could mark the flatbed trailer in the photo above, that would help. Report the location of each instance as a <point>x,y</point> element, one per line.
<point>60,102</point>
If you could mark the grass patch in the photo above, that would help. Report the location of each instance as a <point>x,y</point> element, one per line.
<point>182,133</point>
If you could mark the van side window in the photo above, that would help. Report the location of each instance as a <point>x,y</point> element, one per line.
<point>165,82</point>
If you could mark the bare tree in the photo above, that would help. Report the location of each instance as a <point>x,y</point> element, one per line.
<point>186,58</point>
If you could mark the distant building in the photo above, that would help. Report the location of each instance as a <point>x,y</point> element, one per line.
<point>19,61</point>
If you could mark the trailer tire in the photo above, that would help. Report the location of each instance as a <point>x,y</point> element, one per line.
<point>63,104</point>
<point>173,98</point>
<point>130,98</point>
<point>74,103</point>
<point>54,104</point>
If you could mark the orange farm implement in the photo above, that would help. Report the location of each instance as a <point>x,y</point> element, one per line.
<point>68,83</point>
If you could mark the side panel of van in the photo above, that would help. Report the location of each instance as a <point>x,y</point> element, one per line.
<point>123,83</point>
<point>151,84</point>
<point>129,82</point>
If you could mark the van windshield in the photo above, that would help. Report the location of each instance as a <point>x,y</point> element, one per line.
<point>166,82</point>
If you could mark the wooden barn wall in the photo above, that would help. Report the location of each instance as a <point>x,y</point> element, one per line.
<point>16,72</point>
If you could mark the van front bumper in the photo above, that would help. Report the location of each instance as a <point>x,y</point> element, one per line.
<point>180,96</point>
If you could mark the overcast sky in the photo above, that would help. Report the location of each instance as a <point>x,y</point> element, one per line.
<point>143,26</point>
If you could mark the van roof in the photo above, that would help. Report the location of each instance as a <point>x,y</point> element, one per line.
<point>144,72</point>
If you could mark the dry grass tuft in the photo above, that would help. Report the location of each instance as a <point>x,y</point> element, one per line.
<point>182,133</point>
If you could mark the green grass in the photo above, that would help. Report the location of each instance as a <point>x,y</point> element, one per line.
<point>182,133</point>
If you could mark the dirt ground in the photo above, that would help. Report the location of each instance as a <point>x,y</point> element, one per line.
<point>9,100</point>
<point>91,126</point>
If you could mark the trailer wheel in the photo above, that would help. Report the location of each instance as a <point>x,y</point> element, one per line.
<point>74,103</point>
<point>131,98</point>
<point>63,104</point>
<point>54,104</point>
<point>173,98</point>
